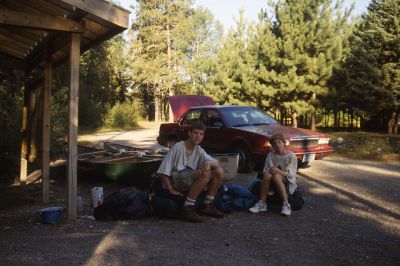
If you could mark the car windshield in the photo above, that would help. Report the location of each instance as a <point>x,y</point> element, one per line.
<point>246,116</point>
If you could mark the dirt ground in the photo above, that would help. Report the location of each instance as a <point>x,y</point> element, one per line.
<point>351,216</point>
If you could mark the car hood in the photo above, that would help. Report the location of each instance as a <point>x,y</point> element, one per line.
<point>288,132</point>
<point>181,103</point>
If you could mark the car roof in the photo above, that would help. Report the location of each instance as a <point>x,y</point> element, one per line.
<point>221,106</point>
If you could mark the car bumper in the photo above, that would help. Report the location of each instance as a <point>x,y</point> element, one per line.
<point>259,157</point>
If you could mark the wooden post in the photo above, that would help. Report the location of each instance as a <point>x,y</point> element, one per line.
<point>73,124</point>
<point>46,125</point>
<point>24,143</point>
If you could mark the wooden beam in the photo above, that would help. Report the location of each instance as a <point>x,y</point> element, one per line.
<point>46,125</point>
<point>73,123</point>
<point>15,43</point>
<point>24,143</point>
<point>11,51</point>
<point>46,22</point>
<point>104,10</point>
<point>22,37</point>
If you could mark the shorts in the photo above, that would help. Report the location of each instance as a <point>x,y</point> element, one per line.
<point>183,180</point>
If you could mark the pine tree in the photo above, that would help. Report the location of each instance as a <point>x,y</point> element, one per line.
<point>231,74</point>
<point>158,48</point>
<point>373,65</point>
<point>310,44</point>
<point>204,43</point>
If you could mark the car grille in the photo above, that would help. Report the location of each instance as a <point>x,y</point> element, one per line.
<point>304,143</point>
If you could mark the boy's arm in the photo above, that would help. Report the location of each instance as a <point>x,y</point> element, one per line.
<point>291,169</point>
<point>167,183</point>
<point>213,164</point>
<point>267,164</point>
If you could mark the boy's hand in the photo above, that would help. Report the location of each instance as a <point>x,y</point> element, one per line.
<point>276,170</point>
<point>206,169</point>
<point>175,192</point>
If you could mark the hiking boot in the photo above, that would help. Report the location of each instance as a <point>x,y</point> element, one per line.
<point>188,214</point>
<point>260,206</point>
<point>210,210</point>
<point>286,209</point>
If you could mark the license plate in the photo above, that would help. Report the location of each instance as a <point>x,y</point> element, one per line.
<point>308,157</point>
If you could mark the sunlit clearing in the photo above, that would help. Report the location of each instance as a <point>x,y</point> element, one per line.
<point>112,247</point>
<point>356,204</point>
<point>365,168</point>
<point>385,220</point>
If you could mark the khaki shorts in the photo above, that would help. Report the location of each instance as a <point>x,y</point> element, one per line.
<point>183,180</point>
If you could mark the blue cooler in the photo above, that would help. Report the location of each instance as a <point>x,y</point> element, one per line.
<point>51,215</point>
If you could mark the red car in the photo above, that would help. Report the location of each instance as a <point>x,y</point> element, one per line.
<point>239,129</point>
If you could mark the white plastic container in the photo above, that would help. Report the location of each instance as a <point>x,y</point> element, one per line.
<point>229,162</point>
<point>97,196</point>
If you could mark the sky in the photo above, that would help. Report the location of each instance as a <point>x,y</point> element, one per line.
<point>226,10</point>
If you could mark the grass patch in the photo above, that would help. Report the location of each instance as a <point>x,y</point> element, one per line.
<point>366,145</point>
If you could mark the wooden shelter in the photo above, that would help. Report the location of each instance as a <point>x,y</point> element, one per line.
<point>37,35</point>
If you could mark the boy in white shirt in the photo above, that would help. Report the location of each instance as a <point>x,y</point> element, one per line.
<point>187,168</point>
<point>280,167</point>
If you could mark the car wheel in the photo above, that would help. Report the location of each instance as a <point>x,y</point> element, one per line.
<point>301,164</point>
<point>246,163</point>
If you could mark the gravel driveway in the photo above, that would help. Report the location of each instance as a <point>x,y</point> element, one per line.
<point>351,216</point>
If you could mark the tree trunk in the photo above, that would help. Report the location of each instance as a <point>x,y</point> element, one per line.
<point>335,119</point>
<point>282,117</point>
<point>314,113</point>
<point>294,119</point>
<point>392,122</point>
<point>157,104</point>
<point>351,118</point>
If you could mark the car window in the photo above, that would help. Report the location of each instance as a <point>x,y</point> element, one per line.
<point>212,119</point>
<point>256,117</point>
<point>245,116</point>
<point>191,116</point>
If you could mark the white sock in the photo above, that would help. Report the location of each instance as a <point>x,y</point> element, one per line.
<point>189,202</point>
<point>208,199</point>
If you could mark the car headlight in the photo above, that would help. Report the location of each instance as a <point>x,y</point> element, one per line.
<point>323,141</point>
<point>267,144</point>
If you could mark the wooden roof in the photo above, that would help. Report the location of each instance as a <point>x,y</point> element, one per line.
<point>27,26</point>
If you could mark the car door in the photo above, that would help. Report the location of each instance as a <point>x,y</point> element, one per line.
<point>214,140</point>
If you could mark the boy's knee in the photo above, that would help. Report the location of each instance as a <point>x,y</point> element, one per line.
<point>267,178</point>
<point>277,178</point>
<point>204,178</point>
<point>218,173</point>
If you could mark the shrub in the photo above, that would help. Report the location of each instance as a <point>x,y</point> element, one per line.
<point>123,115</point>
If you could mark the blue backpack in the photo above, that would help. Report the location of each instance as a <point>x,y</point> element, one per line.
<point>233,197</point>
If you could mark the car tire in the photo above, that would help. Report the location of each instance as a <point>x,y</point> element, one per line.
<point>301,164</point>
<point>246,163</point>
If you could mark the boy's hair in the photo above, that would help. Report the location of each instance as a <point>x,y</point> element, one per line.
<point>277,136</point>
<point>197,125</point>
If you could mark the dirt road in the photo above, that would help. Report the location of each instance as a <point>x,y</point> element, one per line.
<point>142,138</point>
<point>351,216</point>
